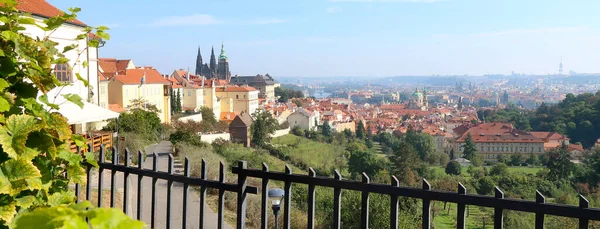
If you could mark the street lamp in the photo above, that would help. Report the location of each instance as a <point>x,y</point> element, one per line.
<point>276,196</point>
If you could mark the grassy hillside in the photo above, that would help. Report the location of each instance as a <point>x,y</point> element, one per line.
<point>304,153</point>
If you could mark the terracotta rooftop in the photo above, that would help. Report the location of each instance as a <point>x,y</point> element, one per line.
<point>134,76</point>
<point>116,108</point>
<point>42,8</point>
<point>498,132</point>
<point>235,89</point>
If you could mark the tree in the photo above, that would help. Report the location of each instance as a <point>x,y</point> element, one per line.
<point>263,126</point>
<point>452,154</point>
<point>296,130</point>
<point>470,151</point>
<point>35,155</point>
<point>348,133</point>
<point>532,159</point>
<point>559,163</point>
<point>208,115</point>
<point>360,130</point>
<point>142,104</point>
<point>404,162</point>
<point>516,159</point>
<point>143,122</point>
<point>499,169</point>
<point>453,168</point>
<point>485,186</point>
<point>326,129</point>
<point>173,100</point>
<point>178,107</point>
<point>362,161</point>
<point>298,102</point>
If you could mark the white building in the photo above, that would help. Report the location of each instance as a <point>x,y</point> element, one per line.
<point>66,35</point>
<point>305,119</point>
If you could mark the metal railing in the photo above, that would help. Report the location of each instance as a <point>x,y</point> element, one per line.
<point>539,207</point>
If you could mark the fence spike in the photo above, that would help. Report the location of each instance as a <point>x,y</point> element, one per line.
<point>394,205</point>
<point>498,212</point>
<point>264,211</point>
<point>241,196</point>
<point>426,220</point>
<point>539,217</point>
<point>139,183</point>
<point>186,193</point>
<point>311,200</point>
<point>287,200</point>
<point>337,203</point>
<point>583,203</point>
<point>461,219</point>
<point>364,211</point>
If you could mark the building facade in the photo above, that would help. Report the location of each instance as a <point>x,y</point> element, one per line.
<point>305,119</point>
<point>141,83</point>
<point>66,35</point>
<point>264,84</point>
<point>241,99</point>
<point>494,140</point>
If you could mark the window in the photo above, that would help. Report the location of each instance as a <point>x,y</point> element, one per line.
<point>63,73</point>
<point>102,90</point>
<point>237,96</point>
<point>189,93</point>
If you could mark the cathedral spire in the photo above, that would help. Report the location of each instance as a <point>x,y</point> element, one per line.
<point>213,63</point>
<point>223,54</point>
<point>199,62</point>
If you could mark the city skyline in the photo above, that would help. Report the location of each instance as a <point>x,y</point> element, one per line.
<point>355,37</point>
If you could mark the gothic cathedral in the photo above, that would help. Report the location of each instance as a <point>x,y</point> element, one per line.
<point>213,70</point>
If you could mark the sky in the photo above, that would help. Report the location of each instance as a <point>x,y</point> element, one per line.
<point>366,38</point>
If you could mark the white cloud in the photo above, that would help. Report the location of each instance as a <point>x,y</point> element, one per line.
<point>266,21</point>
<point>187,20</point>
<point>333,10</point>
<point>415,1</point>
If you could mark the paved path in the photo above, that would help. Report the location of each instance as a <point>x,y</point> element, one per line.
<point>193,211</point>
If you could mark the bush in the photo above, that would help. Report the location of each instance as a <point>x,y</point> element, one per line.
<point>138,121</point>
<point>133,142</point>
<point>296,130</point>
<point>499,169</point>
<point>453,168</point>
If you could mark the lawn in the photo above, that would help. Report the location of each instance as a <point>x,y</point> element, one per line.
<point>447,218</point>
<point>440,170</point>
<point>304,153</point>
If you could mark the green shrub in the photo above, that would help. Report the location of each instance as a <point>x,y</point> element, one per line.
<point>453,168</point>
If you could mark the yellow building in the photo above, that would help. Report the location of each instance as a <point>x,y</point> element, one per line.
<point>141,83</point>
<point>242,99</point>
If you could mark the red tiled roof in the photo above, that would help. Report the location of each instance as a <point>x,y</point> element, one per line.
<point>134,76</point>
<point>498,132</point>
<point>116,108</point>
<point>101,76</point>
<point>122,65</point>
<point>235,89</point>
<point>42,8</point>
<point>227,116</point>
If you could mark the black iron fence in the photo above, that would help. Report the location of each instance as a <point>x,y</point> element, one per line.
<point>539,207</point>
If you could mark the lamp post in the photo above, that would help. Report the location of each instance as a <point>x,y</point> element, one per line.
<point>276,196</point>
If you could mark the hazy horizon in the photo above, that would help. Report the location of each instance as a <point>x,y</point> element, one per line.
<point>354,38</point>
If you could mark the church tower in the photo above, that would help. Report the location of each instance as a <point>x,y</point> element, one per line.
<point>199,63</point>
<point>223,68</point>
<point>213,64</point>
<point>425,101</point>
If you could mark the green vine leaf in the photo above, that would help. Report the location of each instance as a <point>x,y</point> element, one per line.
<point>8,211</point>
<point>74,98</point>
<point>13,135</point>
<point>4,105</point>
<point>80,78</point>
<point>61,198</point>
<point>3,83</point>
<point>19,175</point>
<point>89,158</point>
<point>71,158</point>
<point>25,202</point>
<point>110,218</point>
<point>50,218</point>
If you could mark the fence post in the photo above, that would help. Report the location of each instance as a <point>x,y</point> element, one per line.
<point>126,183</point>
<point>583,203</point>
<point>364,215</point>
<point>241,197</point>
<point>311,200</point>
<point>100,176</point>
<point>461,207</point>
<point>426,221</point>
<point>394,205</point>
<point>337,202</point>
<point>264,213</point>
<point>203,176</point>
<point>113,177</point>
<point>539,217</point>
<point>498,214</point>
<point>221,206</point>
<point>287,200</point>
<point>140,190</point>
